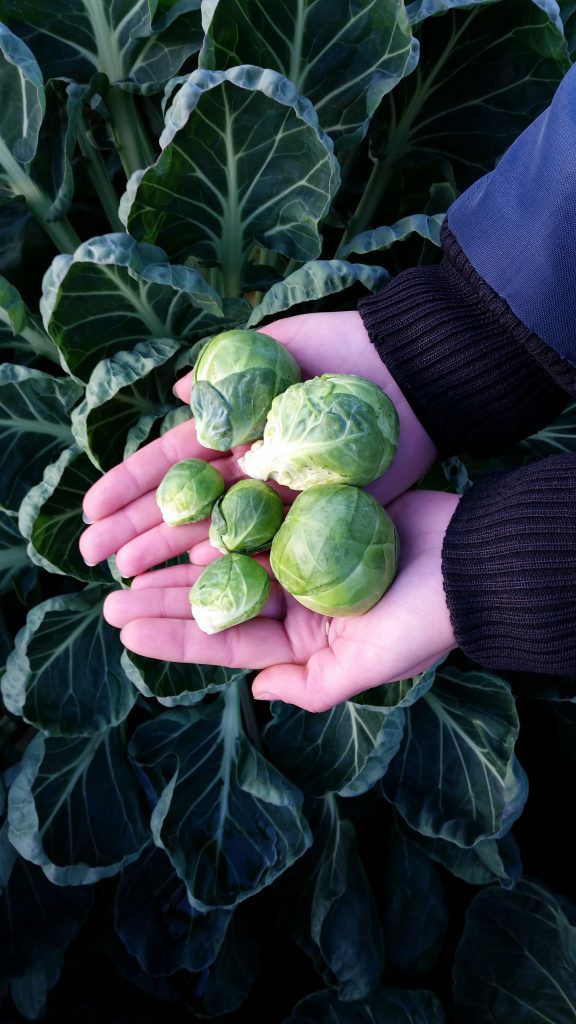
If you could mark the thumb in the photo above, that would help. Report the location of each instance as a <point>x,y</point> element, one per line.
<point>317,686</point>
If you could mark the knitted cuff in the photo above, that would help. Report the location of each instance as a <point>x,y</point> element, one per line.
<point>509,567</point>
<point>475,376</point>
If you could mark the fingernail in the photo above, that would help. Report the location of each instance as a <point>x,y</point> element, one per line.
<point>86,520</point>
<point>265,696</point>
<point>90,564</point>
<point>175,391</point>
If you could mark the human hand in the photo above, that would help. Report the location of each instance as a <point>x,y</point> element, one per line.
<point>304,658</point>
<point>122,505</point>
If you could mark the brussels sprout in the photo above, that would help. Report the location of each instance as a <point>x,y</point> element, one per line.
<point>246,518</point>
<point>228,591</point>
<point>237,375</point>
<point>337,550</point>
<point>337,428</point>
<point>188,491</point>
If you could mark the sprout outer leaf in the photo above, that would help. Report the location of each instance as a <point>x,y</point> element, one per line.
<point>230,590</point>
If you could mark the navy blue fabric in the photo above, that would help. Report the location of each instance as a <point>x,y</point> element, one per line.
<point>517,225</point>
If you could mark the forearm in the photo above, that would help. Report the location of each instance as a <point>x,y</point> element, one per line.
<point>509,568</point>
<point>477,378</point>
<point>484,345</point>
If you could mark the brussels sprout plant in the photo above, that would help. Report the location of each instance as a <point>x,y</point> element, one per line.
<point>337,550</point>
<point>228,591</point>
<point>337,428</point>
<point>169,170</point>
<point>237,375</point>
<point>246,518</point>
<point>188,491</point>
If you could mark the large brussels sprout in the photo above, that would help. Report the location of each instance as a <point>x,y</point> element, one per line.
<point>246,518</point>
<point>237,375</point>
<point>337,550</point>
<point>188,491</point>
<point>228,591</point>
<point>337,428</point>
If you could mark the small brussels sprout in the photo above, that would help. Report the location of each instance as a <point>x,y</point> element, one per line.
<point>188,491</point>
<point>246,518</point>
<point>237,375</point>
<point>337,550</point>
<point>337,428</point>
<point>228,591</point>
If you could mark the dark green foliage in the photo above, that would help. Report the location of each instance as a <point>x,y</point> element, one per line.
<point>166,847</point>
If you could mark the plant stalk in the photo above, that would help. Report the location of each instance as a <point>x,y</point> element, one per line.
<point>38,202</point>
<point>99,177</point>
<point>129,132</point>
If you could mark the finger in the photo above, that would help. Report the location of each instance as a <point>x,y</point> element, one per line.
<point>183,387</point>
<point>251,645</point>
<point>124,606</point>
<point>317,692</point>
<point>110,534</point>
<point>171,576</point>
<point>204,553</point>
<point>317,686</point>
<point>161,602</point>
<point>184,575</point>
<point>143,470</point>
<point>158,545</point>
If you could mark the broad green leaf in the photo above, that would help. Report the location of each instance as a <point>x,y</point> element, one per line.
<point>37,918</point>
<point>30,992</point>
<point>24,102</point>
<point>173,684</point>
<point>158,925</point>
<point>219,185</point>
<point>379,239</point>
<point>384,1006</point>
<point>64,674</point>
<point>34,427</point>
<point>555,439</point>
<point>13,311</point>
<point>122,389</point>
<point>492,65</point>
<point>118,39</point>
<point>344,750</point>
<point>449,778</point>
<point>15,567</point>
<point>31,150</point>
<point>113,292</point>
<point>221,988</point>
<point>315,280</point>
<point>50,517</point>
<point>489,861</point>
<point>418,10</point>
<point>328,906</point>
<point>77,809</point>
<point>516,960</point>
<point>53,167</point>
<point>414,906</point>
<point>229,822</point>
<point>344,64</point>
<point>400,694</point>
<point>568,15</point>
<point>18,328</point>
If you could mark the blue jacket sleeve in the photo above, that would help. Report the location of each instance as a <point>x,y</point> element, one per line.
<point>483,345</point>
<point>517,225</point>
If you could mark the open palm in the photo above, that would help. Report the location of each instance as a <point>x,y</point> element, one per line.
<point>305,658</point>
<point>122,505</point>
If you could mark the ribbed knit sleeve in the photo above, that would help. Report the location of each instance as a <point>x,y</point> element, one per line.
<point>509,567</point>
<point>477,378</point>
